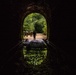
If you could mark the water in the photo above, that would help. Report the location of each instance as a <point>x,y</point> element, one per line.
<point>35,56</point>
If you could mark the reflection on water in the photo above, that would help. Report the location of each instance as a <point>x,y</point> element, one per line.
<point>35,56</point>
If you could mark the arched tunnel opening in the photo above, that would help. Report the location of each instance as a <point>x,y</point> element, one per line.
<point>36,60</point>
<point>35,50</point>
<point>38,17</point>
<point>34,22</point>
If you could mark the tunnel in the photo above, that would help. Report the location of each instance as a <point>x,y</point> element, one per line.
<point>60,18</point>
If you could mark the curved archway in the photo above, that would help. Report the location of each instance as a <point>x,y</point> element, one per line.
<point>35,21</point>
<point>38,9</point>
<point>37,52</point>
<point>35,8</point>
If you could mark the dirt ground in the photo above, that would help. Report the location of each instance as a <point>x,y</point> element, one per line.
<point>38,36</point>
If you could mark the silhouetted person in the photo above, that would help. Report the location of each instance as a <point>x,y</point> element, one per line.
<point>34,34</point>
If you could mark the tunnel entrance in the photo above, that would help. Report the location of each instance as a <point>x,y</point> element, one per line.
<point>37,22</point>
<point>34,49</point>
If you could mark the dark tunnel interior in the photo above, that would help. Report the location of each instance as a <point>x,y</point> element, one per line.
<point>60,17</point>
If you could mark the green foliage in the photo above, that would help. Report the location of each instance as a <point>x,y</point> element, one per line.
<point>35,21</point>
<point>45,30</point>
<point>38,27</point>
